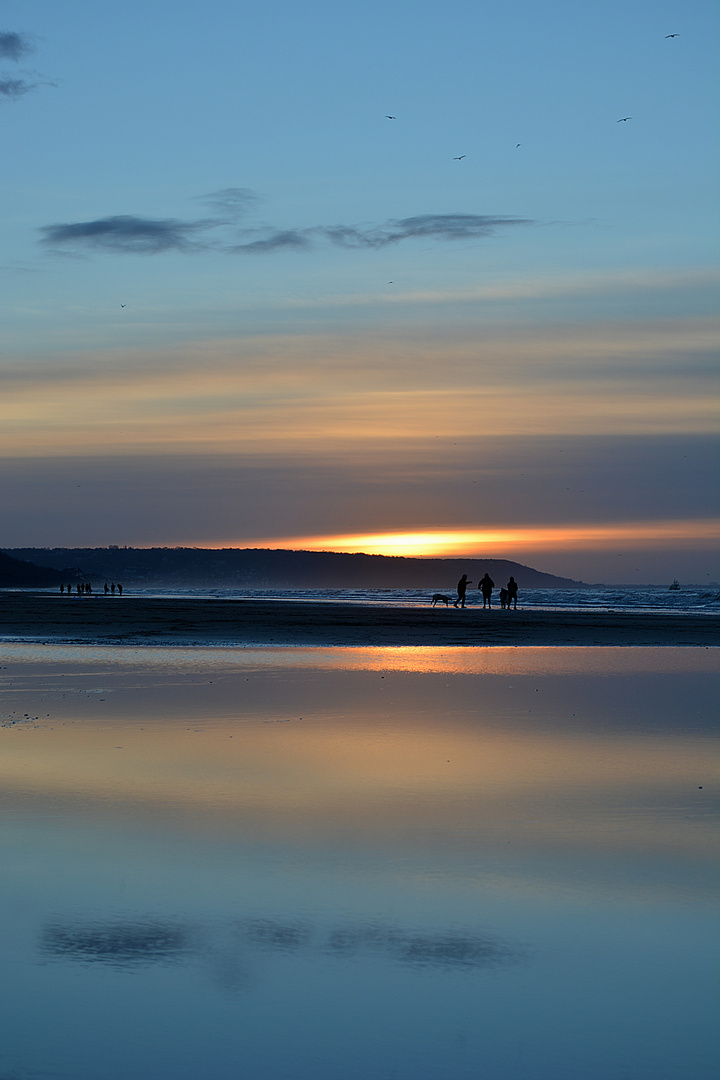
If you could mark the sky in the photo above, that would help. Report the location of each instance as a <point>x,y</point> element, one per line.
<point>402,278</point>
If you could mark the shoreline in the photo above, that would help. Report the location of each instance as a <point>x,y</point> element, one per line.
<point>135,620</point>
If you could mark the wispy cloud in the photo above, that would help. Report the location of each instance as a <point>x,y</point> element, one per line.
<point>15,88</point>
<point>14,45</point>
<point>422,226</point>
<point>232,202</point>
<point>277,240</point>
<point>442,227</point>
<point>129,234</point>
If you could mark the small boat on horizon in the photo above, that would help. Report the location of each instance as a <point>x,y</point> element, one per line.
<point>675,585</point>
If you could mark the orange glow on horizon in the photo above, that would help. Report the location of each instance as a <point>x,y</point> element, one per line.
<point>469,541</point>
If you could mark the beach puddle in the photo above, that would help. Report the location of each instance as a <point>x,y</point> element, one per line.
<point>392,863</point>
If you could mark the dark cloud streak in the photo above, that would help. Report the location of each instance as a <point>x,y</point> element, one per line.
<point>129,234</point>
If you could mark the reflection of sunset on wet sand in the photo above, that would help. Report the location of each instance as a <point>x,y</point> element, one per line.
<point>381,740</point>
<point>425,842</point>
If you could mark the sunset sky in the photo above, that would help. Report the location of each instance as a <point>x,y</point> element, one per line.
<point>408,277</point>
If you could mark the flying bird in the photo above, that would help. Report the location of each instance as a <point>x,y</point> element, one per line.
<point>671,35</point>
<point>459,158</point>
<point>391,117</point>
<point>123,305</point>
<point>623,119</point>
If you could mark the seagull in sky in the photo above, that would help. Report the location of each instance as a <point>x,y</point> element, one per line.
<point>671,35</point>
<point>123,305</point>
<point>459,158</point>
<point>391,117</point>
<point>623,119</point>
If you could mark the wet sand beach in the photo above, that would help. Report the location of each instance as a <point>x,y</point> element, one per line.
<point>208,621</point>
<point>231,862</point>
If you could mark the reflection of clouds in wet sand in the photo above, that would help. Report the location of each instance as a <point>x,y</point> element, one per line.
<point>243,942</point>
<point>444,949</point>
<point>119,944</point>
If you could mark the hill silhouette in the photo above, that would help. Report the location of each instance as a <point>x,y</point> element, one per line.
<point>264,568</point>
<point>19,574</point>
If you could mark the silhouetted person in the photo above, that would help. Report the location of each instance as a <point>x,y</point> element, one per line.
<point>461,590</point>
<point>62,589</point>
<point>119,589</point>
<point>79,589</point>
<point>112,588</point>
<point>486,586</point>
<point>503,598</point>
<point>107,588</point>
<point>512,592</point>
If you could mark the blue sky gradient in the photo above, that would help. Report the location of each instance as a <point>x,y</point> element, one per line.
<point>242,305</point>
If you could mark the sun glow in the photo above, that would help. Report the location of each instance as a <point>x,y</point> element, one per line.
<point>471,541</point>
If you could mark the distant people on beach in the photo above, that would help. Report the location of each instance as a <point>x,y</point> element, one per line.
<point>486,586</point>
<point>461,590</point>
<point>512,590</point>
<point>503,598</point>
<point>107,588</point>
<point>112,588</point>
<point>119,589</point>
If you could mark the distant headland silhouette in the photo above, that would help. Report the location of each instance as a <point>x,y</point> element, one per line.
<point>268,568</point>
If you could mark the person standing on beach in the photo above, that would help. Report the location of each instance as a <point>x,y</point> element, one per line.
<point>486,586</point>
<point>461,589</point>
<point>512,589</point>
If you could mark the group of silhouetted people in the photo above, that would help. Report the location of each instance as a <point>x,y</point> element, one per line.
<point>81,588</point>
<point>508,595</point>
<point>84,588</point>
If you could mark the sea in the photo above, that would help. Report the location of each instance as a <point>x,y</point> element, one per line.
<point>692,599</point>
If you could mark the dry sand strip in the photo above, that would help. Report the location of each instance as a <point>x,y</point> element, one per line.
<point>132,620</point>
